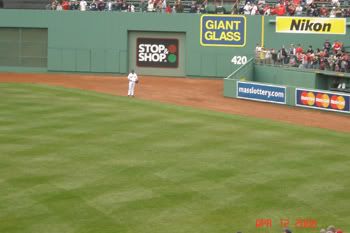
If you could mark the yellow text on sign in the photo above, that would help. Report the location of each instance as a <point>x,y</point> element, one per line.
<point>311,25</point>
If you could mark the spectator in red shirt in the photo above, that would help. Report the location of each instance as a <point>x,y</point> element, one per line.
<point>337,46</point>
<point>296,2</point>
<point>323,11</point>
<point>168,9</point>
<point>65,5</point>
<point>298,50</point>
<point>266,10</point>
<point>309,60</point>
<point>280,10</point>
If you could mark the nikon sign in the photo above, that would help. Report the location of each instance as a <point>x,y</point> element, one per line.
<point>311,25</point>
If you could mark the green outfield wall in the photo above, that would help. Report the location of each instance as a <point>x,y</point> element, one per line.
<point>104,42</point>
<point>99,41</point>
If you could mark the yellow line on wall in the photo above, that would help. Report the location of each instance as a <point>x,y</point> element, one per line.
<point>262,30</point>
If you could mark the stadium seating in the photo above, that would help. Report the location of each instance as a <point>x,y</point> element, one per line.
<point>25,4</point>
<point>225,5</point>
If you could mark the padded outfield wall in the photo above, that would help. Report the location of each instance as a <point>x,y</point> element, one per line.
<point>105,42</point>
<point>99,41</point>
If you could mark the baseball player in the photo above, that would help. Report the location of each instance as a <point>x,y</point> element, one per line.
<point>133,79</point>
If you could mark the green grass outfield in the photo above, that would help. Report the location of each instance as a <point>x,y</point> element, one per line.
<point>79,161</point>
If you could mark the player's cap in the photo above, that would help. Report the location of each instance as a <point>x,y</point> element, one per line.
<point>287,230</point>
<point>339,231</point>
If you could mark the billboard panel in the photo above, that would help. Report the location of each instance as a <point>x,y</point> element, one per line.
<point>223,30</point>
<point>261,92</point>
<point>157,52</point>
<point>311,25</point>
<point>331,101</point>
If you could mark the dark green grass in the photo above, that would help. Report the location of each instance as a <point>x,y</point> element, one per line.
<point>75,161</point>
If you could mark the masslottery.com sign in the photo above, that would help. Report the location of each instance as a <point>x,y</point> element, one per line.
<point>323,100</point>
<point>261,92</point>
<point>157,52</point>
<point>223,30</point>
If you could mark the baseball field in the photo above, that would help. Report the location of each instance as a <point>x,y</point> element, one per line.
<point>76,160</point>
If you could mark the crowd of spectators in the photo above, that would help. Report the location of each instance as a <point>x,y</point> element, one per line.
<point>124,6</point>
<point>332,56</point>
<point>295,8</point>
<point>331,229</point>
<point>94,5</point>
<point>334,8</point>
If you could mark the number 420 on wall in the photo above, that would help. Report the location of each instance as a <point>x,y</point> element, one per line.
<point>239,60</point>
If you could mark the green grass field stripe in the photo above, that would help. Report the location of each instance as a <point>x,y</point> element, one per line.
<point>79,161</point>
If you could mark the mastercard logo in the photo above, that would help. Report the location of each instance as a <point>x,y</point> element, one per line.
<point>338,102</point>
<point>307,98</point>
<point>322,100</point>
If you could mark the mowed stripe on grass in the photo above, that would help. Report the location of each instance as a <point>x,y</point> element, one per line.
<point>78,161</point>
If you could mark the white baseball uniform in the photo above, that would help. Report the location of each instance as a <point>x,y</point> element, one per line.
<point>132,77</point>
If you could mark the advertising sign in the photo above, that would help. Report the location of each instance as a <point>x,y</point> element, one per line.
<point>323,100</point>
<point>223,30</point>
<point>157,52</point>
<point>261,92</point>
<point>311,25</point>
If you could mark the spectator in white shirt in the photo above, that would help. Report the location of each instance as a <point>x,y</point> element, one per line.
<point>335,3</point>
<point>109,5</point>
<point>82,5</point>
<point>150,6</point>
<point>299,10</point>
<point>59,7</point>
<point>254,9</point>
<point>308,2</point>
<point>332,13</point>
<point>247,8</point>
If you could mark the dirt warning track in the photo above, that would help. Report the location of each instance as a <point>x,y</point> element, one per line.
<point>198,93</point>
